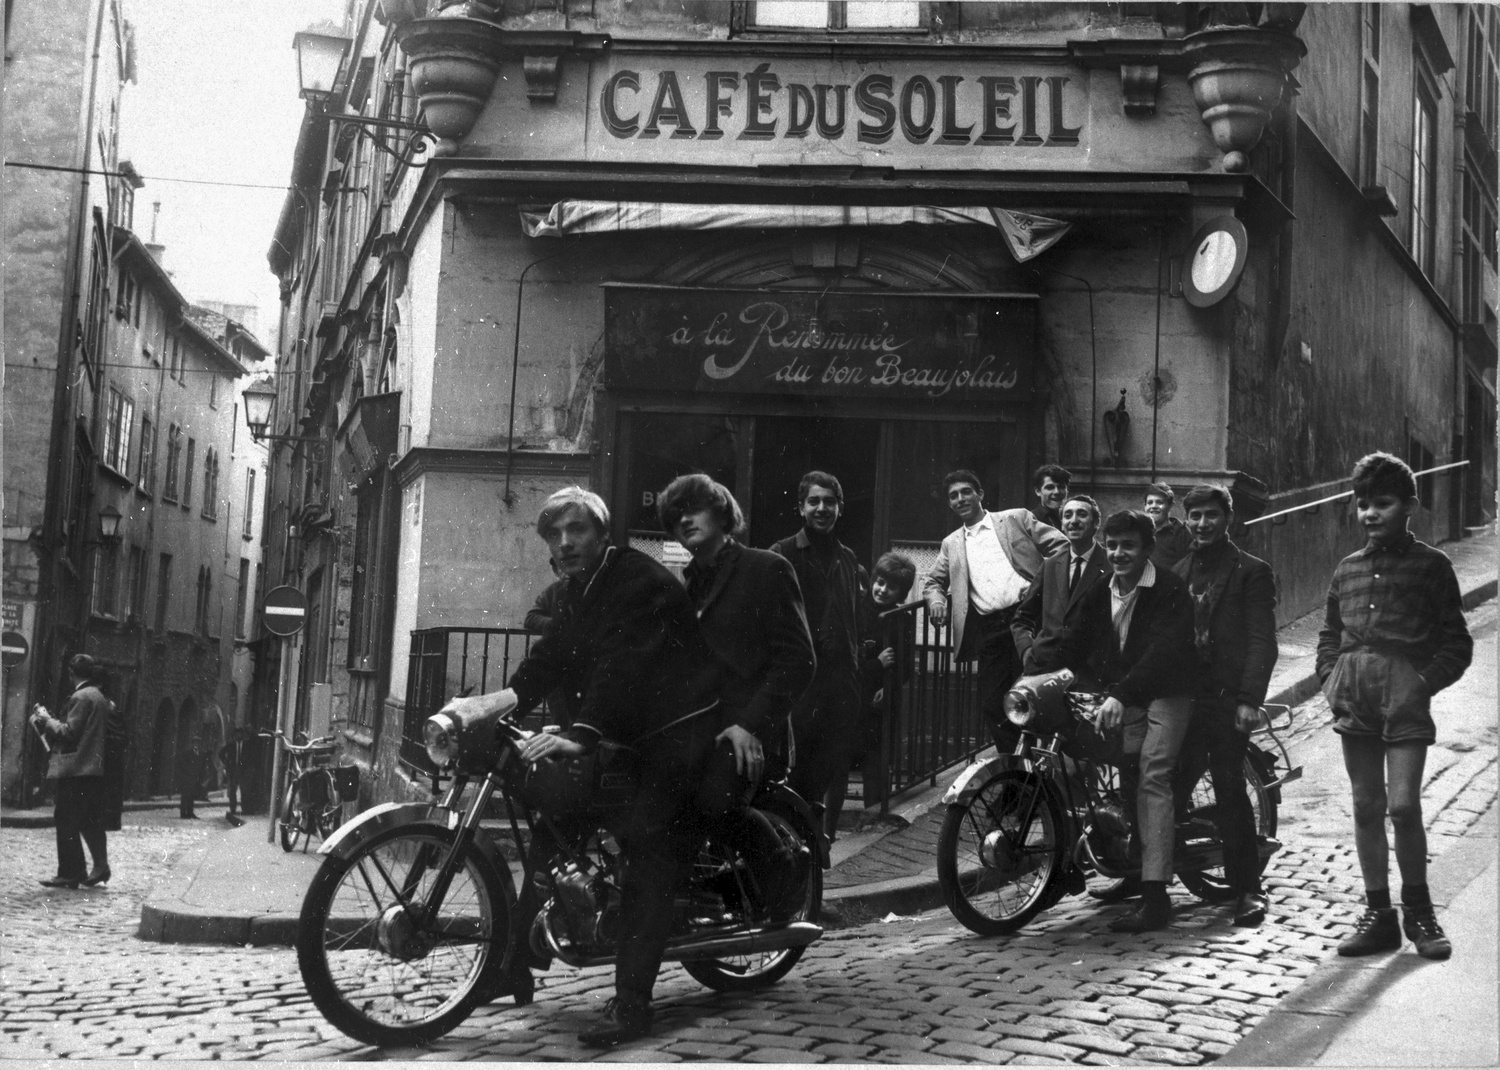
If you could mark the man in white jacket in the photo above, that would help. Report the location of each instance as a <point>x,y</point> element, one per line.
<point>981,573</point>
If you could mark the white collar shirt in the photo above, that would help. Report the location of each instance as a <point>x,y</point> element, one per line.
<point>994,584</point>
<point>1122,606</point>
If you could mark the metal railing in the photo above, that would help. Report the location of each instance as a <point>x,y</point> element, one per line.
<point>932,719</point>
<point>454,661</point>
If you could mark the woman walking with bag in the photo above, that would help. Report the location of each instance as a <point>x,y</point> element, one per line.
<point>78,742</point>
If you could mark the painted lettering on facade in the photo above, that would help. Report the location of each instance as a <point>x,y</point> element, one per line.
<point>933,347</point>
<point>982,108</point>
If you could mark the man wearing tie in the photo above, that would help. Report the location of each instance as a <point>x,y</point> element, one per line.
<point>980,574</point>
<point>1050,609</point>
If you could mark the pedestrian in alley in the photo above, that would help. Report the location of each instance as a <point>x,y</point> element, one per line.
<point>1234,639</point>
<point>1049,612</point>
<point>1394,635</point>
<point>825,719</point>
<point>77,743</point>
<point>1173,540</point>
<point>885,662</point>
<point>1050,485</point>
<point>982,570</point>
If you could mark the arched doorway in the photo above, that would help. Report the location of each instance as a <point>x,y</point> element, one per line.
<point>163,749</point>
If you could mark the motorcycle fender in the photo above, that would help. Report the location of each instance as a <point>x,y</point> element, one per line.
<point>977,775</point>
<point>348,837</point>
<point>778,795</point>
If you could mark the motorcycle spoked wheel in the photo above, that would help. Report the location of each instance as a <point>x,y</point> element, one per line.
<point>742,973</point>
<point>1210,884</point>
<point>375,974</point>
<point>1000,852</point>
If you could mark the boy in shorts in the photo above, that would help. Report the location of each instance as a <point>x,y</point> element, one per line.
<point>1394,636</point>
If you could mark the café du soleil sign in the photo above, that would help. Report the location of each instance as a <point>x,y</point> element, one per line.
<point>884,344</point>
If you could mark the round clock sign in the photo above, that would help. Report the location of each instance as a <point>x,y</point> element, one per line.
<point>1215,262</point>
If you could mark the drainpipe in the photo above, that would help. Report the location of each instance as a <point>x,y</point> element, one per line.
<point>515,363</point>
<point>1161,237</point>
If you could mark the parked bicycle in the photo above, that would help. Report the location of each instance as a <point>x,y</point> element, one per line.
<point>316,790</point>
<point>1027,828</point>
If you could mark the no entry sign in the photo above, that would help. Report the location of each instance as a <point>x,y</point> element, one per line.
<point>284,611</point>
<point>13,648</point>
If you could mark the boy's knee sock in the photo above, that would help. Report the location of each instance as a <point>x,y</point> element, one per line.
<point>1379,898</point>
<point>1415,895</point>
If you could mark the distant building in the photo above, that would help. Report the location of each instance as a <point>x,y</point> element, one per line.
<point>888,240</point>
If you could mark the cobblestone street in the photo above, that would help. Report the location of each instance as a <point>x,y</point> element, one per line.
<point>78,983</point>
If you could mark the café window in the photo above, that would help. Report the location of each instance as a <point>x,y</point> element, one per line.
<point>857,15</point>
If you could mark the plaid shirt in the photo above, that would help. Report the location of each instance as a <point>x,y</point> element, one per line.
<point>1404,601</point>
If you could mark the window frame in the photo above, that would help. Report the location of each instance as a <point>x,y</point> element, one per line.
<point>119,425</point>
<point>1367,162</point>
<point>1422,203</point>
<point>248,529</point>
<point>187,473</point>
<point>743,20</point>
<point>174,454</point>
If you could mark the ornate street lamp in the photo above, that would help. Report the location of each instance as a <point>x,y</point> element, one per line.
<point>109,524</point>
<point>319,57</point>
<point>259,397</point>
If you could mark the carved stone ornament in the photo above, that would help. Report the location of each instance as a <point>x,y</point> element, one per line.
<point>1139,82</point>
<point>398,12</point>
<point>542,72</point>
<point>1238,76</point>
<point>454,63</point>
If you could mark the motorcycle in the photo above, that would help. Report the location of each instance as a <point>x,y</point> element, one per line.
<point>1023,830</point>
<point>411,920</point>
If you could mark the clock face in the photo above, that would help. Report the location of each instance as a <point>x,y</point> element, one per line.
<point>1213,262</point>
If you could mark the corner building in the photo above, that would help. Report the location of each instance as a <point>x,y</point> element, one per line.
<point>1143,241</point>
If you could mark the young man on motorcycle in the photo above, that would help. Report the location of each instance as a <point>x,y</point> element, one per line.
<point>627,652</point>
<point>750,609</point>
<point>1234,637</point>
<point>1135,637</point>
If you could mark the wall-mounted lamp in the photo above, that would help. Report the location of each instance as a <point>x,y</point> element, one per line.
<point>259,397</point>
<point>109,524</point>
<point>320,57</point>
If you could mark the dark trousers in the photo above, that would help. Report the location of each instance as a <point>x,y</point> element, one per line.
<point>189,778</point>
<point>1214,744</point>
<point>79,816</point>
<point>825,734</point>
<point>987,638</point>
<point>659,837</point>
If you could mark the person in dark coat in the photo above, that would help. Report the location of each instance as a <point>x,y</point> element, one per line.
<point>1135,637</point>
<point>630,660</point>
<point>1049,611</point>
<point>1050,485</point>
<point>1234,637</point>
<point>77,742</point>
<point>1173,540</point>
<point>888,655</point>
<point>825,719</point>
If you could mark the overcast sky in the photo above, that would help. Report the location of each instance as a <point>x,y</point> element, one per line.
<point>216,99</point>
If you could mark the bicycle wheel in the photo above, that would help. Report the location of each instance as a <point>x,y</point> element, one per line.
<point>290,822</point>
<point>998,852</point>
<point>741,973</point>
<point>330,815</point>
<point>1210,884</point>
<point>379,972</point>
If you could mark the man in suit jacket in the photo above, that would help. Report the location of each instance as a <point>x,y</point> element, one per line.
<point>1234,633</point>
<point>981,572</point>
<point>1135,637</point>
<point>1050,609</point>
<point>78,742</point>
<point>1050,485</point>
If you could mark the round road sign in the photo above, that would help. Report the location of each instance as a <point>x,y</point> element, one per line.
<point>284,611</point>
<point>13,648</point>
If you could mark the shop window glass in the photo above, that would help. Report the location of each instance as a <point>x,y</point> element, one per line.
<point>664,446</point>
<point>834,14</point>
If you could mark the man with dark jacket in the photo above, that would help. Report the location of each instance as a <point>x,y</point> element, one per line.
<point>632,666</point>
<point>77,743</point>
<point>1234,638</point>
<point>1135,637</point>
<point>825,719</point>
<point>1052,603</point>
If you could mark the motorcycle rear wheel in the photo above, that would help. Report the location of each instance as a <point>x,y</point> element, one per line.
<point>374,973</point>
<point>743,973</point>
<point>999,852</point>
<point>1210,884</point>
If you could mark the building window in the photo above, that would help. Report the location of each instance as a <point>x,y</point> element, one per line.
<point>174,357</point>
<point>242,599</point>
<point>135,584</point>
<point>117,427</point>
<point>249,529</point>
<point>1478,241</point>
<point>213,390</point>
<point>205,595</point>
<point>1482,72</point>
<point>187,474</point>
<point>145,476</point>
<point>833,14</point>
<point>1423,230</point>
<point>1369,97</point>
<point>106,579</point>
<point>211,484</point>
<point>163,592</point>
<point>174,451</point>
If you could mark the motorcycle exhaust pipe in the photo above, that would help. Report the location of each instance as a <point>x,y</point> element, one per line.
<point>707,946</point>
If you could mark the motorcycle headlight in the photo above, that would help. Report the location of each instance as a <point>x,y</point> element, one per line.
<point>440,735</point>
<point>1019,710</point>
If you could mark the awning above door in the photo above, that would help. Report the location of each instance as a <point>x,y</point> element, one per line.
<point>1027,235</point>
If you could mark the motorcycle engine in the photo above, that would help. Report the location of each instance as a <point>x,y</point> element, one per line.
<point>589,904</point>
<point>1111,831</point>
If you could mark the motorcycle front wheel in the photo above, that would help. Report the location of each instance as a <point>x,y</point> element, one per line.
<point>1210,884</point>
<point>742,973</point>
<point>999,851</point>
<point>383,963</point>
